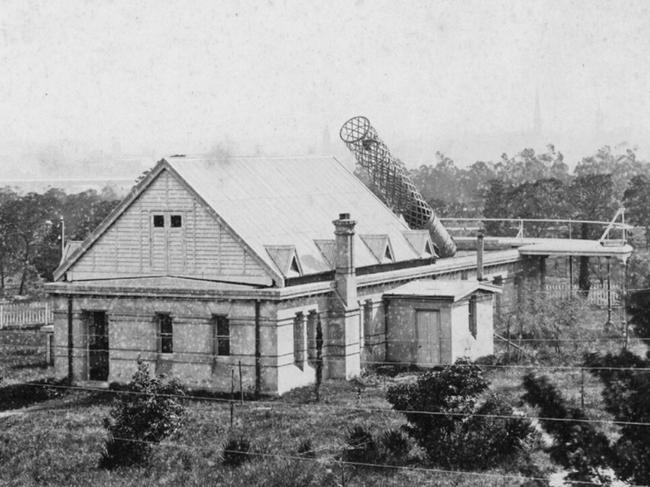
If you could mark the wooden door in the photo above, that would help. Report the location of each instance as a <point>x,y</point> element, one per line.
<point>428,337</point>
<point>97,346</point>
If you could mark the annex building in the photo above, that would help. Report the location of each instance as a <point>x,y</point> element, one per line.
<point>271,263</point>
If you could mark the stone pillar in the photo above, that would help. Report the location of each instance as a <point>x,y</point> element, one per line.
<point>344,358</point>
<point>480,246</point>
<point>542,272</point>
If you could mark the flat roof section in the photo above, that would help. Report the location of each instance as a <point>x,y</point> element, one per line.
<point>442,289</point>
<point>577,248</point>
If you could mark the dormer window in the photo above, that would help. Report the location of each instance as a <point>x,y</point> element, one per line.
<point>294,270</point>
<point>388,255</point>
<point>285,257</point>
<point>159,221</point>
<point>427,249</point>
<point>176,221</point>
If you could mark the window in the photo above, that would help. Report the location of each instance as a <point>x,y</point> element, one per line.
<point>294,270</point>
<point>472,316</point>
<point>427,249</point>
<point>176,221</point>
<point>388,255</point>
<point>312,335</point>
<point>222,326</point>
<point>159,221</point>
<point>367,321</point>
<point>299,335</point>
<point>165,333</point>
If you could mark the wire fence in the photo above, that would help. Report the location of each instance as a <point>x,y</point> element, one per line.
<point>577,384</point>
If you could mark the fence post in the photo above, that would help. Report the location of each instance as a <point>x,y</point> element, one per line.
<point>582,388</point>
<point>232,396</point>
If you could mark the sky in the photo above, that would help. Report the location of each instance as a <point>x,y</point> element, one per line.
<point>151,78</point>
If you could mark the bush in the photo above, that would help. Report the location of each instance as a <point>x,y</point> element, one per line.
<point>236,452</point>
<point>626,395</point>
<point>360,446</point>
<point>306,449</point>
<point>395,447</point>
<point>445,418</point>
<point>577,446</point>
<point>144,413</point>
<point>16,396</point>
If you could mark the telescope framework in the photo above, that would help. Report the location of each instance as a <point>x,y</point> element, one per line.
<point>391,179</point>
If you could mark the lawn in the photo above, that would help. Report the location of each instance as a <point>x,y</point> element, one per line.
<point>59,442</point>
<point>59,439</point>
<point>22,356</point>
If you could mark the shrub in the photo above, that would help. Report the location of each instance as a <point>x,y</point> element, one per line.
<point>577,446</point>
<point>394,447</point>
<point>306,449</point>
<point>626,395</point>
<point>445,418</point>
<point>236,452</point>
<point>144,413</point>
<point>16,396</point>
<point>360,446</point>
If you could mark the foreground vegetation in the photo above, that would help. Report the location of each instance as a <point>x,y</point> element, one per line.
<point>61,438</point>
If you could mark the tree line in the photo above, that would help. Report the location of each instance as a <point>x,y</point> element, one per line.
<point>31,227</point>
<point>540,185</point>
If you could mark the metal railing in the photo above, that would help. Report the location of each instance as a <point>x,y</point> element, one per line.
<point>566,226</point>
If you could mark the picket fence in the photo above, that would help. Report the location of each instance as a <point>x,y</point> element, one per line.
<point>597,292</point>
<point>21,315</point>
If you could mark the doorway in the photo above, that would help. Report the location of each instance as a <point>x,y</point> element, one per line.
<point>427,323</point>
<point>97,346</point>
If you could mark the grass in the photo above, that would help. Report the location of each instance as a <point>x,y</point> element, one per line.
<point>59,440</point>
<point>22,356</point>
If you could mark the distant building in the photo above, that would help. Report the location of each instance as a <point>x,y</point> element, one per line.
<point>207,264</point>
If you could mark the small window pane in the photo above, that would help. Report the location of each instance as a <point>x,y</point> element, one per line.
<point>166,331</point>
<point>176,221</point>
<point>223,335</point>
<point>158,220</point>
<point>472,316</point>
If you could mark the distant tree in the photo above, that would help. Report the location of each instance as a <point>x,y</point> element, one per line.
<point>497,205</point>
<point>8,260</point>
<point>82,213</point>
<point>592,198</point>
<point>29,220</point>
<point>636,200</point>
<point>544,198</point>
<point>622,167</point>
<point>528,166</point>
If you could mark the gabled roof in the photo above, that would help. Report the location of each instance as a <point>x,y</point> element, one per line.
<point>284,256</point>
<point>270,202</point>
<point>421,242</point>
<point>454,290</point>
<point>280,201</point>
<point>380,247</point>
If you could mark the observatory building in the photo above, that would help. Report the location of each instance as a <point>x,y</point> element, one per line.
<point>271,263</point>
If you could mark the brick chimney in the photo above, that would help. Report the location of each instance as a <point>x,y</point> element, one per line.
<point>343,357</point>
<point>346,279</point>
<point>480,247</point>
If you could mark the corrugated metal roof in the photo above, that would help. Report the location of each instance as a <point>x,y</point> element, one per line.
<point>293,201</point>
